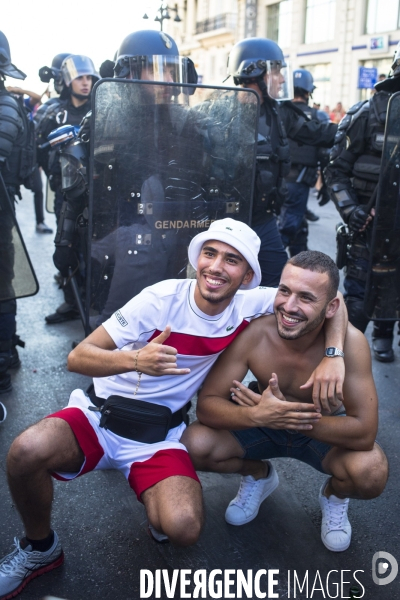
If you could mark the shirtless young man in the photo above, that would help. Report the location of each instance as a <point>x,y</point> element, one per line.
<point>281,350</point>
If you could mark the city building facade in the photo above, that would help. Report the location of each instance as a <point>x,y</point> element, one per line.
<point>346,44</point>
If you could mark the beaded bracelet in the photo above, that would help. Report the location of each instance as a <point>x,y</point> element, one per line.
<point>137,371</point>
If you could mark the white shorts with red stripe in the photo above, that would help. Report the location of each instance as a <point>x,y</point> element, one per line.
<point>143,465</point>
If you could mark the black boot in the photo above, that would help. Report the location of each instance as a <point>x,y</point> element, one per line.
<point>65,312</point>
<point>382,341</point>
<point>310,216</point>
<point>15,361</point>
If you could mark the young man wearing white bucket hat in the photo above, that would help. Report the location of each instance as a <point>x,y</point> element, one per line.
<point>150,384</point>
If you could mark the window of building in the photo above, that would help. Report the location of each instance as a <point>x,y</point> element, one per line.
<point>320,21</point>
<point>216,14</point>
<point>383,66</point>
<point>322,80</point>
<point>279,22</point>
<point>381,18</point>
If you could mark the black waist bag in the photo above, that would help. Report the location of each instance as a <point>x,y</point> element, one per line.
<point>136,420</point>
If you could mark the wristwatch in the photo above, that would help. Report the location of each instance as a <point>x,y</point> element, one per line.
<point>332,351</point>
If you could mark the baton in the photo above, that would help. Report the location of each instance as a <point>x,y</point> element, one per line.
<point>78,299</point>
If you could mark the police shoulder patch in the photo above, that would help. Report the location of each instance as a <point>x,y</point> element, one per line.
<point>121,320</point>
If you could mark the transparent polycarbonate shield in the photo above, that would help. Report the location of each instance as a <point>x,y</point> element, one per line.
<point>383,284</point>
<point>166,161</point>
<point>50,198</point>
<point>17,277</point>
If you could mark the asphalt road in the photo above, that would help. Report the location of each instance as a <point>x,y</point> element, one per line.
<point>103,527</point>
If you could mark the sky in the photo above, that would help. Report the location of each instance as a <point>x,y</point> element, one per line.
<point>37,31</point>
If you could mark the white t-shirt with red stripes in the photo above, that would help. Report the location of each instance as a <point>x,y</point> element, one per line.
<point>198,338</point>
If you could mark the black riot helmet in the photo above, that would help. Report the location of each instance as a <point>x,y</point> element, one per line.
<point>392,83</point>
<point>46,74</point>
<point>253,58</point>
<point>74,66</point>
<point>6,66</point>
<point>303,82</point>
<point>156,53</point>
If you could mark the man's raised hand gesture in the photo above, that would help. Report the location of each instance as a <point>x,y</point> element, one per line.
<point>158,359</point>
<point>271,409</point>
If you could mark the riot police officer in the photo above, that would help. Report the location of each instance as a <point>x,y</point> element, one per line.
<point>78,76</point>
<point>352,176</point>
<point>16,165</point>
<point>259,64</point>
<point>305,162</point>
<point>47,74</point>
<point>142,55</point>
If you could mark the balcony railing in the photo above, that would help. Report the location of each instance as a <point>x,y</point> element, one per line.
<point>225,21</point>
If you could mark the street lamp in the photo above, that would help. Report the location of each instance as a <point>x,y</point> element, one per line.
<point>163,14</point>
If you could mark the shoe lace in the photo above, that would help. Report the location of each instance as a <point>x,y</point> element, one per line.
<point>336,514</point>
<point>245,492</point>
<point>15,559</point>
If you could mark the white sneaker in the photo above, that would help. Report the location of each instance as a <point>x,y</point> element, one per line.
<point>244,508</point>
<point>335,527</point>
<point>24,564</point>
<point>43,228</point>
<point>156,535</point>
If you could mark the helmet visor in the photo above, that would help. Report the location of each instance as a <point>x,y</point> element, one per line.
<point>162,68</point>
<point>279,80</point>
<point>76,66</point>
<point>58,80</point>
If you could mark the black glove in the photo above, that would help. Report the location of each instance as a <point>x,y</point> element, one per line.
<point>358,218</point>
<point>54,182</point>
<point>323,196</point>
<point>65,257</point>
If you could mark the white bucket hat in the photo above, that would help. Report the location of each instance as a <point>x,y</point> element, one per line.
<point>238,235</point>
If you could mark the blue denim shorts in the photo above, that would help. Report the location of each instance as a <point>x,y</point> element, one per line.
<point>260,443</point>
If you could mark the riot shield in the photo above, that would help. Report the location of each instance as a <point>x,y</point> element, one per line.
<point>50,198</point>
<point>164,165</point>
<point>382,300</point>
<point>17,277</point>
